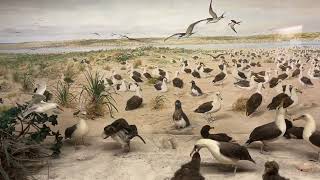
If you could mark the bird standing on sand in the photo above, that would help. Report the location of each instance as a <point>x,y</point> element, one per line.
<point>195,90</point>
<point>122,132</point>
<point>210,107</point>
<point>224,152</point>
<point>271,131</point>
<point>77,131</point>
<point>271,171</point>
<point>310,132</point>
<point>188,32</point>
<point>254,101</point>
<point>214,18</point>
<point>232,24</point>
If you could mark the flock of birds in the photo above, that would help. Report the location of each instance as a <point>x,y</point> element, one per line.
<point>222,147</point>
<point>213,19</point>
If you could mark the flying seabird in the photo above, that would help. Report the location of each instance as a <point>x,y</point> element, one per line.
<point>180,119</point>
<point>135,101</point>
<point>215,57</point>
<point>190,170</point>
<point>195,90</point>
<point>224,152</point>
<point>232,24</point>
<point>254,101</point>
<point>188,32</point>
<point>214,18</point>
<point>77,131</point>
<point>177,82</point>
<point>211,106</point>
<point>122,132</point>
<point>221,137</point>
<point>271,171</point>
<point>97,34</point>
<point>310,132</point>
<point>271,131</point>
<point>127,37</point>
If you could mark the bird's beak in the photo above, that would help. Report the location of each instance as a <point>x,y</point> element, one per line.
<point>194,150</point>
<point>297,118</point>
<point>263,86</point>
<point>104,136</point>
<point>299,91</point>
<point>211,127</point>
<point>58,107</point>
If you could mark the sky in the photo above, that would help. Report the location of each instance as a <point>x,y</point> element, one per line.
<point>51,20</point>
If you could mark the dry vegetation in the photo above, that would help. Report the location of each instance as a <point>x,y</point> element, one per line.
<point>240,104</point>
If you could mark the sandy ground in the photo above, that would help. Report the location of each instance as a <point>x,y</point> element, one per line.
<point>103,159</point>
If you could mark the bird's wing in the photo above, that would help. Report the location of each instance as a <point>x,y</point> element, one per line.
<point>232,27</point>
<point>191,26</point>
<point>265,132</point>
<point>234,22</point>
<point>36,99</point>
<point>211,12</point>
<point>176,34</point>
<point>41,88</point>
<point>205,107</point>
<point>230,150</point>
<point>184,116</point>
<point>315,138</point>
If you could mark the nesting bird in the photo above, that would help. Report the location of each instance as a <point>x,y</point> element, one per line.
<point>177,82</point>
<point>254,101</point>
<point>162,85</point>
<point>224,152</point>
<point>219,78</point>
<point>211,106</point>
<point>190,170</point>
<point>180,119</point>
<point>122,132</point>
<point>195,90</point>
<point>221,137</point>
<point>135,101</point>
<point>271,171</point>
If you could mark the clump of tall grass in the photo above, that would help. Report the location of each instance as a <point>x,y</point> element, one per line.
<point>27,82</point>
<point>99,97</point>
<point>240,104</point>
<point>137,63</point>
<point>69,74</point>
<point>16,76</point>
<point>158,102</point>
<point>63,95</point>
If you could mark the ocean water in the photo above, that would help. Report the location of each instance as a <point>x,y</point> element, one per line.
<point>265,45</point>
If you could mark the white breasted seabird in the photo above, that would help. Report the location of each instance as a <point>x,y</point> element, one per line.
<point>161,86</point>
<point>77,131</point>
<point>195,73</point>
<point>122,87</point>
<point>195,90</point>
<point>224,152</point>
<point>146,74</point>
<point>133,86</point>
<point>180,119</point>
<point>184,69</point>
<point>211,106</point>
<point>310,132</point>
<point>135,101</point>
<point>271,131</point>
<point>122,132</point>
<point>254,101</point>
<point>305,81</point>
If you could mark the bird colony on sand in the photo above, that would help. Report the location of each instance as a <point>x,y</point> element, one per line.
<point>222,147</point>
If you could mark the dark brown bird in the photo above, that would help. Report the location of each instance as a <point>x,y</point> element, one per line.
<point>222,137</point>
<point>271,171</point>
<point>190,170</point>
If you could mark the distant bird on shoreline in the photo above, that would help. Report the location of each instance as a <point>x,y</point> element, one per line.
<point>214,18</point>
<point>232,24</point>
<point>126,37</point>
<point>96,34</point>
<point>188,32</point>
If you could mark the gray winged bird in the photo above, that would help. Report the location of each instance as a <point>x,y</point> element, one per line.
<point>233,23</point>
<point>127,37</point>
<point>214,18</point>
<point>97,34</point>
<point>188,32</point>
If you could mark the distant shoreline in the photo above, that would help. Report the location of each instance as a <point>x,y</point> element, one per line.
<point>122,43</point>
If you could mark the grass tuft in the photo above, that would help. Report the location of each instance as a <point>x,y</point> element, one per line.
<point>240,104</point>
<point>158,102</point>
